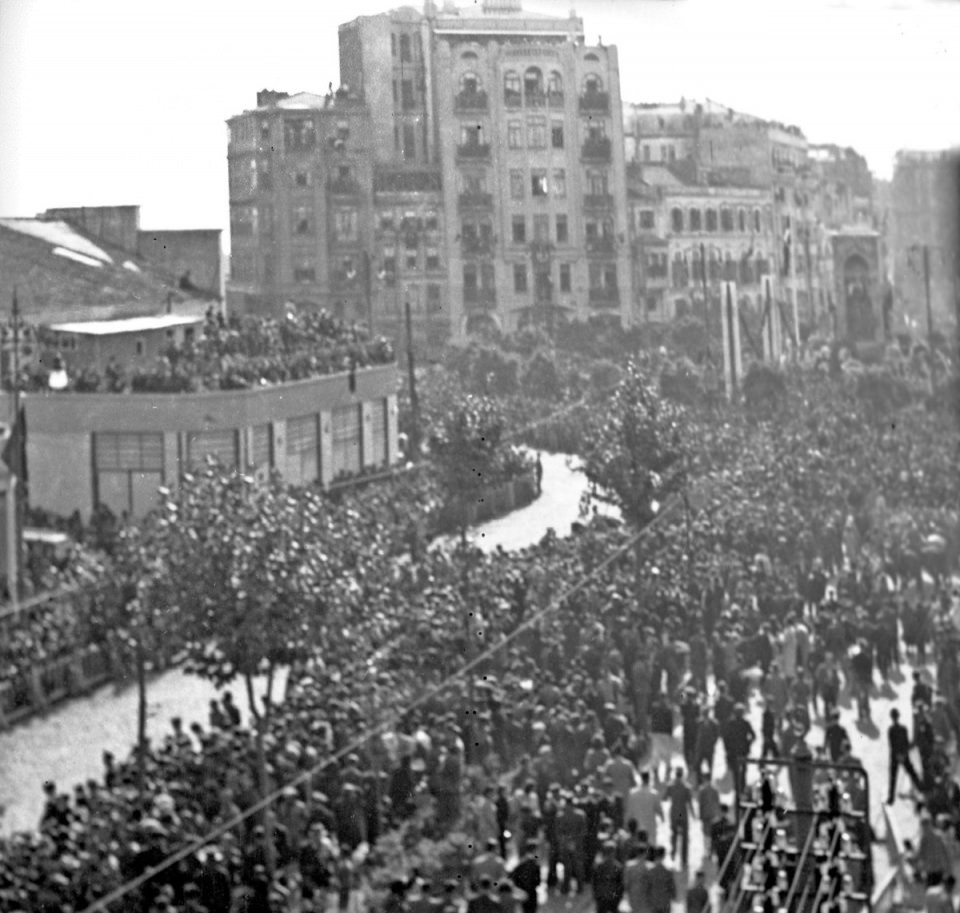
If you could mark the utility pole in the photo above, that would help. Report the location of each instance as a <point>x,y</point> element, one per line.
<point>706,296</point>
<point>926,286</point>
<point>412,379</point>
<point>368,288</point>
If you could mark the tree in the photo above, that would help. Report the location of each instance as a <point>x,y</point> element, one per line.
<point>637,458</point>
<point>251,572</point>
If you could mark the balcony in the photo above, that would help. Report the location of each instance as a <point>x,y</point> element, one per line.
<point>470,101</point>
<point>473,151</point>
<point>555,99</point>
<point>595,101</point>
<point>344,187</point>
<point>602,245</point>
<point>512,99</point>
<point>598,201</point>
<point>475,200</point>
<point>605,297</point>
<point>535,99</point>
<point>596,149</point>
<point>480,298</point>
<point>656,273</point>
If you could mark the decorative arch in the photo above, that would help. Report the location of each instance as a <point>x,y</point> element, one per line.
<point>532,81</point>
<point>592,83</point>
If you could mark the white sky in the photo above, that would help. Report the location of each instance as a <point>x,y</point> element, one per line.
<point>112,102</point>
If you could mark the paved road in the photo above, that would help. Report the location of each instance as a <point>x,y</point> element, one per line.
<point>67,745</point>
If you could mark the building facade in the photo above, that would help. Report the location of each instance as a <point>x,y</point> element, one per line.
<point>88,448</point>
<point>483,152</point>
<point>923,234</point>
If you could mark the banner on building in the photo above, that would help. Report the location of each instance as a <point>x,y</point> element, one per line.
<point>730,322</point>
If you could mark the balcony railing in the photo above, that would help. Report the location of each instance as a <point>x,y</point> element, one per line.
<point>473,151</point>
<point>512,99</point>
<point>470,101</point>
<point>344,187</point>
<point>480,297</point>
<point>605,297</point>
<point>596,149</point>
<point>595,101</point>
<point>598,201</point>
<point>476,200</point>
<point>534,99</point>
<point>600,246</point>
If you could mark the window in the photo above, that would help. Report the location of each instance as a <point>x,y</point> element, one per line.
<point>407,100</point>
<point>696,220</point>
<point>345,224</point>
<point>646,152</point>
<point>565,284</point>
<point>562,233</point>
<point>516,185</point>
<point>592,84</point>
<point>514,134</point>
<point>647,220</point>
<point>671,154</point>
<point>299,133</point>
<point>469,277</point>
<point>676,220</point>
<point>532,82</point>
<point>410,261</point>
<point>261,447</point>
<point>559,183</point>
<point>511,86</point>
<point>433,299</point>
<point>711,220</point>
<point>538,183</point>
<point>556,134</point>
<point>726,219</point>
<point>537,132</point>
<point>379,418</point>
<point>220,445</point>
<point>405,53</point>
<point>302,220</point>
<point>519,230</point>
<point>409,142</point>
<point>243,220</point>
<point>128,471</point>
<point>140,345</point>
<point>432,258</point>
<point>756,220</point>
<point>264,129</point>
<point>393,44</point>
<point>430,220</point>
<point>386,221</point>
<point>741,221</point>
<point>301,179</point>
<point>597,183</point>
<point>541,229</point>
<point>555,83</point>
<point>610,276</point>
<point>519,278</point>
<point>303,451</point>
<point>469,83</point>
<point>595,275</point>
<point>346,440</point>
<point>471,134</point>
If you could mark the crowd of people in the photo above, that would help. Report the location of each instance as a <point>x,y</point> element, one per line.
<point>783,580</point>
<point>238,353</point>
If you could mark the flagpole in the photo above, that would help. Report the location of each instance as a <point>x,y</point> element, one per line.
<point>16,430</point>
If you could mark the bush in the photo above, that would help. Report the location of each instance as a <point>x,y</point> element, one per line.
<point>604,376</point>
<point>682,382</point>
<point>881,392</point>
<point>540,377</point>
<point>688,338</point>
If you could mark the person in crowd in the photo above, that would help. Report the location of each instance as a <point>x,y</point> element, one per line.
<point>608,880</point>
<point>644,807</point>
<point>680,797</point>
<point>898,741</point>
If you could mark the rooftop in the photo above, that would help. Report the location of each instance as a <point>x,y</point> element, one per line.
<point>63,274</point>
<point>127,325</point>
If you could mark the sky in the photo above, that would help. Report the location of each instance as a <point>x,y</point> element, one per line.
<point>108,102</point>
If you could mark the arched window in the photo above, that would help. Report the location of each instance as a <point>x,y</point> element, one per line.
<point>756,220</point>
<point>405,53</point>
<point>741,220</point>
<point>711,220</point>
<point>592,84</point>
<point>726,219</point>
<point>555,83</point>
<point>470,83</point>
<point>511,86</point>
<point>591,57</point>
<point>468,55</point>
<point>532,81</point>
<point>676,219</point>
<point>696,220</point>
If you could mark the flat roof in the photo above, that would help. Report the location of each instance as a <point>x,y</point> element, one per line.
<point>127,325</point>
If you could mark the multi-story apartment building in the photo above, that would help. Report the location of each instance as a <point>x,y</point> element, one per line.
<point>689,237</point>
<point>924,237</point>
<point>484,151</point>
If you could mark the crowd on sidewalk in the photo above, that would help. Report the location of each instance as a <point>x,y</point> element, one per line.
<point>781,581</point>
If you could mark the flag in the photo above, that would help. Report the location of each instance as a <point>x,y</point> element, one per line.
<point>13,450</point>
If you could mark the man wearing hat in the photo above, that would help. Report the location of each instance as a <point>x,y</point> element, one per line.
<point>608,880</point>
<point>486,899</point>
<point>898,740</point>
<point>526,876</point>
<point>571,837</point>
<point>834,736</point>
<point>738,735</point>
